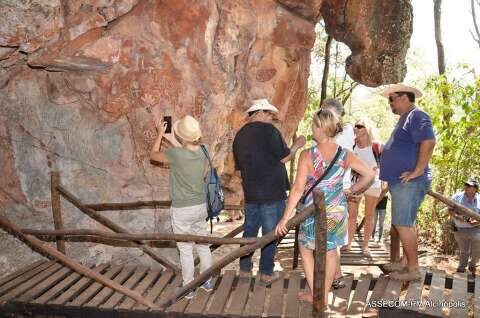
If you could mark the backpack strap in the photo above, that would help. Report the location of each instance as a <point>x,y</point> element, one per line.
<point>376,151</point>
<point>205,152</point>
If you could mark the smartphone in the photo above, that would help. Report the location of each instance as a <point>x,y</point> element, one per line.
<point>168,120</point>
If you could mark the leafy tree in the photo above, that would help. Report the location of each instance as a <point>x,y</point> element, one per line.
<point>457,154</point>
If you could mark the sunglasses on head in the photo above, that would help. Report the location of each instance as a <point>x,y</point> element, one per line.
<point>359,126</point>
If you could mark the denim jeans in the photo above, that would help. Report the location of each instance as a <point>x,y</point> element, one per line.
<point>265,216</point>
<point>406,199</point>
<point>380,217</point>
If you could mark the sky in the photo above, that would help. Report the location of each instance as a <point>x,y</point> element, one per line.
<point>457,40</point>
<point>456,26</point>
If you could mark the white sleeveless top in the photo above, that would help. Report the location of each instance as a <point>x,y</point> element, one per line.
<point>366,155</point>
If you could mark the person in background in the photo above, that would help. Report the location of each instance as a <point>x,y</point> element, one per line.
<point>467,232</point>
<point>260,154</point>
<point>311,166</point>
<point>367,150</point>
<point>188,168</point>
<point>404,166</point>
<point>380,213</point>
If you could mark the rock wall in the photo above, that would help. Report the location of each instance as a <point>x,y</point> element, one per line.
<point>81,81</point>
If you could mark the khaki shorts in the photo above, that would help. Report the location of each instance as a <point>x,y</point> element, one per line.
<point>373,192</point>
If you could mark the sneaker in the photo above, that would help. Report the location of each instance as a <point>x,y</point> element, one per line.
<point>269,279</point>
<point>190,294</point>
<point>207,286</point>
<point>406,276</point>
<point>393,267</point>
<point>338,283</point>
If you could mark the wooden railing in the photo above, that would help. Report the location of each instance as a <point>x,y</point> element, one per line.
<point>460,209</point>
<point>121,237</point>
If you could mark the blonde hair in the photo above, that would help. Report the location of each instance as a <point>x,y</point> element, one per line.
<point>329,121</point>
<point>370,127</point>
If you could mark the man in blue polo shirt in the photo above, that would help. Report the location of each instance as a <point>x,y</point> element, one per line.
<point>404,166</point>
<point>467,232</point>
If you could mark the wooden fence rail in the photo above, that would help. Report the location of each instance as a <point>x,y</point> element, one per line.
<point>138,205</point>
<point>116,228</point>
<point>49,234</point>
<point>51,253</point>
<point>122,237</point>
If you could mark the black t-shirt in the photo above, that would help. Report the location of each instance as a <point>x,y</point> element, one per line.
<point>382,205</point>
<point>258,148</point>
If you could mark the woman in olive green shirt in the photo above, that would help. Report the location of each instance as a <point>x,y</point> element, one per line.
<point>188,166</point>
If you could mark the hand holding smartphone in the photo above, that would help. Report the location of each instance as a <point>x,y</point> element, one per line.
<point>168,121</point>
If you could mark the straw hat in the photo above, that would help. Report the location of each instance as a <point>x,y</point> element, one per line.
<point>187,128</point>
<point>394,88</point>
<point>262,104</point>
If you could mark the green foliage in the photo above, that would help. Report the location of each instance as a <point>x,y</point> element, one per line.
<point>454,107</point>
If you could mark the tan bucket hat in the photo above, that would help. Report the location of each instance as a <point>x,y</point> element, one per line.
<point>187,128</point>
<point>391,89</point>
<point>262,104</point>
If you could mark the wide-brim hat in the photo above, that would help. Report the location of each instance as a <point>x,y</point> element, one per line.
<point>187,128</point>
<point>262,104</point>
<point>394,88</point>
<point>472,182</point>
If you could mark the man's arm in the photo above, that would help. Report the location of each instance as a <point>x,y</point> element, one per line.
<point>297,144</point>
<point>424,155</point>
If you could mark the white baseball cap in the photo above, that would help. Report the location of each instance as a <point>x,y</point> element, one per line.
<point>262,104</point>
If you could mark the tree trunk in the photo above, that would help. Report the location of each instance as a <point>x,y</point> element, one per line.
<point>476,36</point>
<point>437,16</point>
<point>326,69</point>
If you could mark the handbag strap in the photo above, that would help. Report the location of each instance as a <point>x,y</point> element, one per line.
<point>337,154</point>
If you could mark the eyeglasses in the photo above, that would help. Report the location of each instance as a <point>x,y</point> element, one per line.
<point>359,126</point>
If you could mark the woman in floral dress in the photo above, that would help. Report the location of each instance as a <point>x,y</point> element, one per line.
<point>312,164</point>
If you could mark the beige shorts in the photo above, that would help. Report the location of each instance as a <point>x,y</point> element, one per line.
<point>373,192</point>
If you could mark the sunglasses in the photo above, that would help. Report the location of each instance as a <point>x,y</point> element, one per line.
<point>392,98</point>
<point>359,126</point>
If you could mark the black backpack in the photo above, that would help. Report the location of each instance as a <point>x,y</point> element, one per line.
<point>215,198</point>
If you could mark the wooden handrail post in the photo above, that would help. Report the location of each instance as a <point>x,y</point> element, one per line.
<point>296,251</point>
<point>57,208</point>
<point>320,254</point>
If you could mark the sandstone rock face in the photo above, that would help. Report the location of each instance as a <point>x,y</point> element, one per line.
<point>81,83</point>
<point>378,33</point>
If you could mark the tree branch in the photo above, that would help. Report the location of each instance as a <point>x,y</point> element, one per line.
<point>475,24</point>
